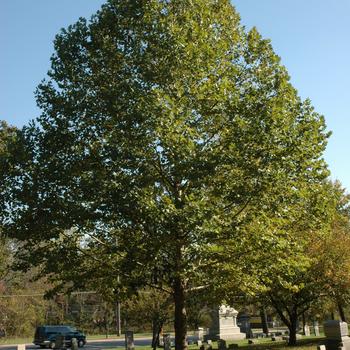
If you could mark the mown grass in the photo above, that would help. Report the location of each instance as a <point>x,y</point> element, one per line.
<point>307,343</point>
<point>15,340</point>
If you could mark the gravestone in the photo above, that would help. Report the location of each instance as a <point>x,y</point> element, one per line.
<point>129,340</point>
<point>59,343</point>
<point>167,342</point>
<point>306,330</point>
<point>200,333</point>
<point>316,329</point>
<point>243,322</point>
<point>224,324</point>
<point>74,345</point>
<point>337,335</point>
<point>21,347</point>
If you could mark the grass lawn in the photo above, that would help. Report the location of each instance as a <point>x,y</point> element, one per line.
<point>5,341</point>
<point>308,343</point>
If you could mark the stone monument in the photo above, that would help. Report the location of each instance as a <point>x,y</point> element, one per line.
<point>74,345</point>
<point>129,340</point>
<point>244,325</point>
<point>60,341</point>
<point>224,324</point>
<point>337,335</point>
<point>199,333</point>
<point>316,329</point>
<point>167,342</point>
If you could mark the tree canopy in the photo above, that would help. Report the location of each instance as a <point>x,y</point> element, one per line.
<point>312,266</point>
<point>166,130</point>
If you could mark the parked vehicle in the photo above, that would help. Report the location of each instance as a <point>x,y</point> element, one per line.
<point>45,336</point>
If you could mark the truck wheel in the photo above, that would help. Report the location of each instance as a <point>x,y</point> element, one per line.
<point>80,343</point>
<point>52,345</point>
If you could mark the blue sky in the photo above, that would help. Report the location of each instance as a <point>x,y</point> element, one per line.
<point>311,36</point>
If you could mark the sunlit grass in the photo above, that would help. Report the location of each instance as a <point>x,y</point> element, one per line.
<point>307,343</point>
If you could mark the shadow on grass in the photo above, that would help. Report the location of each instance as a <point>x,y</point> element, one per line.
<point>302,344</point>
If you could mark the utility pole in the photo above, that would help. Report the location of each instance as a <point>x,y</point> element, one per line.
<point>117,318</point>
<point>117,302</point>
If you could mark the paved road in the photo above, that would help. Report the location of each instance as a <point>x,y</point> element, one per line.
<point>93,344</point>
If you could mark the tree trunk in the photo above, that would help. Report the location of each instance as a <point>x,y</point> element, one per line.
<point>293,330</point>
<point>264,320</point>
<point>341,311</point>
<point>106,327</point>
<point>180,315</point>
<point>157,326</point>
<point>304,322</point>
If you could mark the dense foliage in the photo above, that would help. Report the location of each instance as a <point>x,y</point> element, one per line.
<point>167,135</point>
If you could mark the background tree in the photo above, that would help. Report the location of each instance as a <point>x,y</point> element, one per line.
<point>7,137</point>
<point>166,130</point>
<point>150,308</point>
<point>302,282</point>
<point>22,306</point>
<point>334,255</point>
<point>199,310</point>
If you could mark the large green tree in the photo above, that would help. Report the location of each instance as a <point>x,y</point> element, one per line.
<point>165,129</point>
